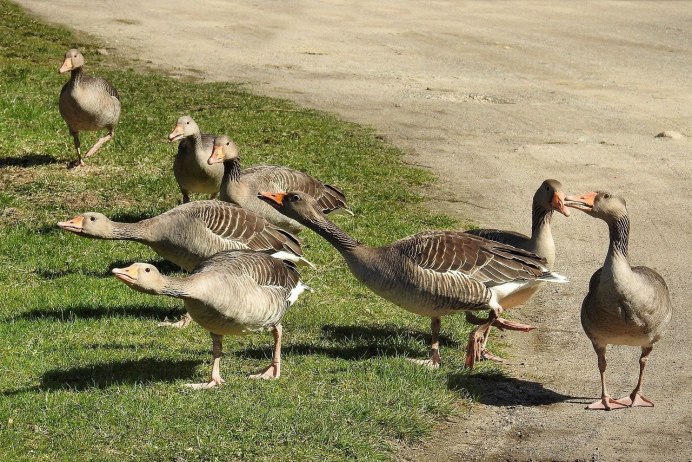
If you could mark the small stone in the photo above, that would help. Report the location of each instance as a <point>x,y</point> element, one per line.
<point>102,51</point>
<point>673,135</point>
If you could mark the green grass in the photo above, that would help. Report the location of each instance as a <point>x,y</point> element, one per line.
<point>84,372</point>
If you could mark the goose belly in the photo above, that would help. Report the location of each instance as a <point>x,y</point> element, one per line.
<point>617,325</point>
<point>241,319</point>
<point>193,177</point>
<point>85,112</point>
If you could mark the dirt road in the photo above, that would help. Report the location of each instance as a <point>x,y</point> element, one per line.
<point>494,97</point>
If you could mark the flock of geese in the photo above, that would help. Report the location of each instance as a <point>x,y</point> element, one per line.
<point>242,255</point>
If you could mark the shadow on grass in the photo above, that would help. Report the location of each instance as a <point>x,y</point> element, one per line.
<point>74,313</point>
<point>356,343</point>
<point>165,267</point>
<point>496,389</point>
<point>31,159</point>
<point>117,373</point>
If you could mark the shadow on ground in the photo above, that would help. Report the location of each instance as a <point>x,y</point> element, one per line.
<point>73,313</point>
<point>496,389</point>
<point>164,266</point>
<point>31,159</point>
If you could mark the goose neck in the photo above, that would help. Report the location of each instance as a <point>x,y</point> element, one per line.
<point>337,237</point>
<point>231,170</point>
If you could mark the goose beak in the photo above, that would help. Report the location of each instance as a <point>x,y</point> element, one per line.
<point>176,134</point>
<point>216,156</point>
<point>75,225</point>
<point>66,66</point>
<point>558,203</point>
<point>127,275</point>
<point>583,202</point>
<point>273,199</point>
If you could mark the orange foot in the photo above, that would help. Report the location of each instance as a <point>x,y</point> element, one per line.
<point>606,403</point>
<point>270,373</point>
<point>637,401</point>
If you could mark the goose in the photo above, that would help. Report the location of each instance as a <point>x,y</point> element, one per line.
<point>242,187</point>
<point>431,274</point>
<point>87,103</point>
<point>624,305</point>
<point>188,234</point>
<point>190,167</point>
<point>549,198</point>
<point>231,293</point>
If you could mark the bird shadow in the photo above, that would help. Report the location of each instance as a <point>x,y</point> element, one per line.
<point>356,343</point>
<point>31,159</point>
<point>73,313</point>
<point>497,389</point>
<point>165,267</point>
<point>114,373</point>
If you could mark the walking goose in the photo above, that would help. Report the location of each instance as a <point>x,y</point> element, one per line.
<point>87,103</point>
<point>625,305</point>
<point>548,198</point>
<point>242,187</point>
<point>433,273</point>
<point>231,293</point>
<point>193,232</point>
<point>190,167</point>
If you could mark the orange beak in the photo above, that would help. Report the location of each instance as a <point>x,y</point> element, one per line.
<point>66,66</point>
<point>127,275</point>
<point>176,134</point>
<point>75,225</point>
<point>275,199</point>
<point>558,203</point>
<point>583,202</point>
<point>216,156</point>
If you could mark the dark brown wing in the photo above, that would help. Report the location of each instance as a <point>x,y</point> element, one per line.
<point>265,270</point>
<point>485,261</point>
<point>504,237</point>
<point>102,84</point>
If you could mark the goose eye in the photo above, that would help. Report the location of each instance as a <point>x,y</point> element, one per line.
<point>294,198</point>
<point>147,270</point>
<point>606,196</point>
<point>92,218</point>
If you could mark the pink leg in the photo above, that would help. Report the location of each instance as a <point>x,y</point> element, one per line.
<point>635,399</point>
<point>274,369</point>
<point>77,144</point>
<point>98,144</point>
<point>435,360</point>
<point>606,402</point>
<point>182,324</point>
<point>215,369</point>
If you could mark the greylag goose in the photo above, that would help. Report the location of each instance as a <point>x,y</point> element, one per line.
<point>242,187</point>
<point>433,273</point>
<point>87,103</point>
<point>190,167</point>
<point>548,198</point>
<point>231,293</point>
<point>625,305</point>
<point>188,234</point>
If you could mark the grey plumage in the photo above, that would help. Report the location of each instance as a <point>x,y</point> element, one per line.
<point>87,103</point>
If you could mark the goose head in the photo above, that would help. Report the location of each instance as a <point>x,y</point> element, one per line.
<point>184,127</point>
<point>224,149</point>
<point>599,204</point>
<point>141,277</point>
<point>551,196</point>
<point>301,207</point>
<point>90,224</point>
<point>73,60</point>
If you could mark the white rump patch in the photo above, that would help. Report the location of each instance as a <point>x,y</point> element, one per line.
<point>297,290</point>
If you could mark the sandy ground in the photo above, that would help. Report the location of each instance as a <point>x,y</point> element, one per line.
<point>494,97</point>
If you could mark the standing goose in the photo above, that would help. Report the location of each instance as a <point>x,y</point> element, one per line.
<point>193,232</point>
<point>625,305</point>
<point>242,187</point>
<point>231,293</point>
<point>433,273</point>
<point>548,198</point>
<point>87,103</point>
<point>190,167</point>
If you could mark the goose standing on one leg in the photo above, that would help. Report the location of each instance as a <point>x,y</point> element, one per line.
<point>548,198</point>
<point>433,273</point>
<point>242,187</point>
<point>231,293</point>
<point>87,103</point>
<point>190,167</point>
<point>193,232</point>
<point>625,305</point>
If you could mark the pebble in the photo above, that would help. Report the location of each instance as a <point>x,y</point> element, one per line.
<point>102,51</point>
<point>671,134</point>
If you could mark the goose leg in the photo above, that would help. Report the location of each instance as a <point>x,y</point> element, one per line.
<point>215,369</point>
<point>635,399</point>
<point>182,324</point>
<point>77,144</point>
<point>274,369</point>
<point>606,402</point>
<point>98,144</point>
<point>498,322</point>
<point>474,346</point>
<point>186,196</point>
<point>434,361</point>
